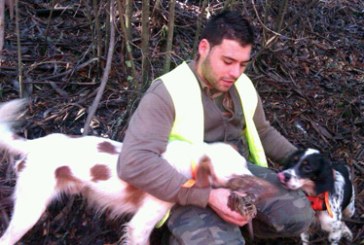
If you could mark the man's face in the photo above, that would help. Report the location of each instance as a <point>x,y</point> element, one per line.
<point>219,66</point>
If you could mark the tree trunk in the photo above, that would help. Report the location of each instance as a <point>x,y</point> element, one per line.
<point>145,45</point>
<point>172,9</point>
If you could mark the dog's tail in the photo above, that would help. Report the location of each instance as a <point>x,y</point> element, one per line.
<point>10,114</point>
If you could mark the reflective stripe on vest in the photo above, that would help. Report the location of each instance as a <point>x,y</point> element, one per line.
<point>249,102</point>
<point>185,91</point>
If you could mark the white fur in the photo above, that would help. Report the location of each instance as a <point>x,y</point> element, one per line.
<point>59,164</point>
<point>294,182</point>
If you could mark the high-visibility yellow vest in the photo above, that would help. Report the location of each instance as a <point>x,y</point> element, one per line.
<point>188,125</point>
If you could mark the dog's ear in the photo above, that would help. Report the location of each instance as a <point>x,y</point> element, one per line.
<point>325,177</point>
<point>205,174</point>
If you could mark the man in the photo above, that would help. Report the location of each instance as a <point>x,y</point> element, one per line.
<point>204,101</point>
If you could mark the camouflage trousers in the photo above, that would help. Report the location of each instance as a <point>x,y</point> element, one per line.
<point>287,214</point>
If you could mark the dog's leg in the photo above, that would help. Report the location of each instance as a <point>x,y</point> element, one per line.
<point>349,211</point>
<point>339,230</point>
<point>335,227</point>
<point>31,199</point>
<point>140,227</point>
<point>346,232</point>
<point>305,238</point>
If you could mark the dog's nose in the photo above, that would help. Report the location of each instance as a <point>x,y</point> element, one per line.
<point>287,176</point>
<point>284,177</point>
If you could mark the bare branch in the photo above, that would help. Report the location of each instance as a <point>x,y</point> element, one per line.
<point>92,109</point>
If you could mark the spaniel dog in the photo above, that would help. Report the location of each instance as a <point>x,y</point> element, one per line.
<point>328,187</point>
<point>58,164</point>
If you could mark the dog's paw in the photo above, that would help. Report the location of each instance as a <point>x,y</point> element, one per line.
<point>347,234</point>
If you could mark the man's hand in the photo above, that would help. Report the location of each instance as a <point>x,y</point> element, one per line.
<point>218,200</point>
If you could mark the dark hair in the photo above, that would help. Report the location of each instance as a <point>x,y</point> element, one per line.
<point>228,25</point>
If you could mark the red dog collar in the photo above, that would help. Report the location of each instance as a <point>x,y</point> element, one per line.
<point>321,202</point>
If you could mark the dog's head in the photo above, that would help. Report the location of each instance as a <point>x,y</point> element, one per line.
<point>307,170</point>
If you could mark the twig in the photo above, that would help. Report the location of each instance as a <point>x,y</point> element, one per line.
<point>171,14</point>
<point>60,91</point>
<point>49,19</point>
<point>70,71</point>
<point>10,4</point>
<point>145,44</point>
<point>358,167</point>
<point>199,27</point>
<point>261,22</point>
<point>125,20</point>
<point>276,34</point>
<point>97,29</point>
<point>282,12</point>
<point>2,23</point>
<point>20,62</point>
<point>92,109</point>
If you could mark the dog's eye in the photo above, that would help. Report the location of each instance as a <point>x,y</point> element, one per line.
<point>306,167</point>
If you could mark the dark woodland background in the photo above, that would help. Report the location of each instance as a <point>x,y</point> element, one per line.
<point>86,74</point>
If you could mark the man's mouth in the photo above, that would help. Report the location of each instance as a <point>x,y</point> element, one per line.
<point>228,83</point>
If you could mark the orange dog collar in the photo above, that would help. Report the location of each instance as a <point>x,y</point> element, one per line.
<point>190,182</point>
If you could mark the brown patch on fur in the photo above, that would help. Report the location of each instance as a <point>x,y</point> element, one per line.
<point>63,175</point>
<point>134,195</point>
<point>204,172</point>
<point>100,172</point>
<point>74,136</point>
<point>107,147</point>
<point>234,146</point>
<point>308,186</point>
<point>20,166</point>
<point>15,137</point>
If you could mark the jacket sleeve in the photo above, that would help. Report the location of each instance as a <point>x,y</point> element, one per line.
<point>275,145</point>
<point>140,162</point>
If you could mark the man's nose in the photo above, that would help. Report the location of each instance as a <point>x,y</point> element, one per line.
<point>235,71</point>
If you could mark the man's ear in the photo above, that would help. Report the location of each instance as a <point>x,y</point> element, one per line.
<point>205,173</point>
<point>203,48</point>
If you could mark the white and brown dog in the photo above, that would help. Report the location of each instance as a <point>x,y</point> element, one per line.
<point>59,164</point>
<point>328,187</point>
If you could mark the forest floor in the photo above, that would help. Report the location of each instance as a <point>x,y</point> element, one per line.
<point>310,77</point>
